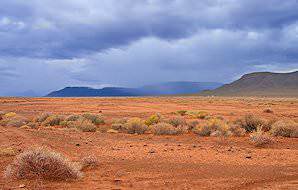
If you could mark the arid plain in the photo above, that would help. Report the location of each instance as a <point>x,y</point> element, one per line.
<point>148,161</point>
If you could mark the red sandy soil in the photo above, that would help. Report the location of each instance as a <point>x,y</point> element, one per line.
<point>158,162</point>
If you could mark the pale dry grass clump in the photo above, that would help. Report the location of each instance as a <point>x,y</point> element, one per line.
<point>135,126</point>
<point>42,117</point>
<point>73,118</point>
<point>95,119</point>
<point>251,122</point>
<point>260,138</point>
<point>15,121</point>
<point>285,128</point>
<point>167,129</point>
<point>177,121</point>
<point>42,163</point>
<point>89,162</point>
<point>213,127</point>
<point>83,125</point>
<point>198,114</point>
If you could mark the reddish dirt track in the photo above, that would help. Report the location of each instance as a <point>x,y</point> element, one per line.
<point>159,162</point>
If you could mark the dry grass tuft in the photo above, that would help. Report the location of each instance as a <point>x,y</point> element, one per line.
<point>251,122</point>
<point>83,125</point>
<point>177,121</point>
<point>135,125</point>
<point>260,138</point>
<point>8,151</point>
<point>268,110</point>
<point>41,163</point>
<point>285,128</point>
<point>15,121</point>
<point>95,119</point>
<point>167,129</point>
<point>181,112</point>
<point>198,114</point>
<point>89,162</point>
<point>41,118</point>
<point>53,120</point>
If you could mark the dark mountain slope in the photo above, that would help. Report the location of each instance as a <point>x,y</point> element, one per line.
<point>260,84</point>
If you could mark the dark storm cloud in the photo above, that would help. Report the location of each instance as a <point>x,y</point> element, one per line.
<point>136,42</point>
<point>67,29</point>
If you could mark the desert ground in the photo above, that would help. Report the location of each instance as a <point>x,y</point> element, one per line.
<point>147,161</point>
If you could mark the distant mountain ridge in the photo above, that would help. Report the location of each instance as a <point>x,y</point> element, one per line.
<point>260,84</point>
<point>169,88</point>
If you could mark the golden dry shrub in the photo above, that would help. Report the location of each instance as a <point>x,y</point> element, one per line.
<point>167,129</point>
<point>260,138</point>
<point>198,114</point>
<point>213,127</point>
<point>15,121</point>
<point>153,119</point>
<point>42,117</point>
<point>73,118</point>
<point>42,163</point>
<point>83,125</point>
<point>251,122</point>
<point>94,118</point>
<point>181,112</point>
<point>119,124</point>
<point>135,126</point>
<point>53,120</point>
<point>285,128</point>
<point>237,131</point>
<point>177,121</point>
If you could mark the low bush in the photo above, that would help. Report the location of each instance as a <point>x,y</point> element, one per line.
<point>251,122</point>
<point>16,121</point>
<point>285,128</point>
<point>167,129</point>
<point>41,118</point>
<point>237,131</point>
<point>177,121</point>
<point>198,114</point>
<point>83,125</point>
<point>42,163</point>
<point>182,112</point>
<point>213,127</point>
<point>153,119</point>
<point>73,118</point>
<point>192,124</point>
<point>260,138</point>
<point>95,119</point>
<point>89,162</point>
<point>52,120</point>
<point>268,110</point>
<point>135,125</point>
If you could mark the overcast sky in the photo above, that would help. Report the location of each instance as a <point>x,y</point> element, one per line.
<point>47,45</point>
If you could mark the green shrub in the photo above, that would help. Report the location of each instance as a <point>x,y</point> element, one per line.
<point>153,119</point>
<point>135,125</point>
<point>95,119</point>
<point>251,122</point>
<point>285,128</point>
